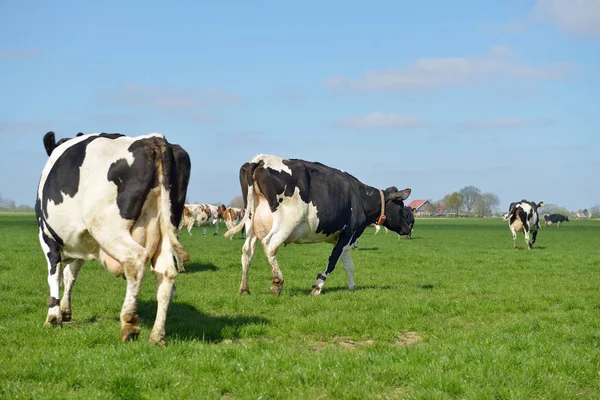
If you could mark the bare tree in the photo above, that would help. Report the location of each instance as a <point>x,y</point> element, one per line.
<point>595,211</point>
<point>485,204</point>
<point>237,201</point>
<point>470,195</point>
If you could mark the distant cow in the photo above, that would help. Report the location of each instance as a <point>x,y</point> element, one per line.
<point>232,216</point>
<point>523,216</point>
<point>555,219</point>
<point>118,200</point>
<point>200,215</point>
<point>296,201</point>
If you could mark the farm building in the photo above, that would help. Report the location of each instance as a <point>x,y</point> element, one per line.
<point>421,207</point>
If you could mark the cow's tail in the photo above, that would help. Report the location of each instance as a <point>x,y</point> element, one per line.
<point>165,215</point>
<point>249,208</point>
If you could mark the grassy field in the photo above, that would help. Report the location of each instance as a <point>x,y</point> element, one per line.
<point>453,313</point>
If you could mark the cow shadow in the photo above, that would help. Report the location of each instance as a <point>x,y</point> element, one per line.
<point>367,249</point>
<point>194,267</point>
<point>334,289</point>
<point>185,322</point>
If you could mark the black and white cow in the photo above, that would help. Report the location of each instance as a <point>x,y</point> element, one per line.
<point>296,201</point>
<point>555,219</point>
<point>523,216</point>
<point>118,200</point>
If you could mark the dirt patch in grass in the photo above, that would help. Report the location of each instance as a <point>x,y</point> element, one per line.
<point>407,338</point>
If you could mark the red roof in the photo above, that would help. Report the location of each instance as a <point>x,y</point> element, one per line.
<point>416,204</point>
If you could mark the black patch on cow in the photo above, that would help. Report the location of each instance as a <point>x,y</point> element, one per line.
<point>134,182</point>
<point>53,254</point>
<point>64,175</point>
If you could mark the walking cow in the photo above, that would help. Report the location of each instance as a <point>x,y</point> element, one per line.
<point>118,200</point>
<point>296,201</point>
<point>523,216</point>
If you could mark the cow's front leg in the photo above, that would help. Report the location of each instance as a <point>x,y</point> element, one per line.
<point>331,263</point>
<point>349,267</point>
<point>69,278</point>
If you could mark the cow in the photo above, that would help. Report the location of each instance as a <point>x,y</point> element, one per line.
<point>297,201</point>
<point>200,215</point>
<point>232,216</point>
<point>556,219</point>
<point>116,199</point>
<point>523,216</point>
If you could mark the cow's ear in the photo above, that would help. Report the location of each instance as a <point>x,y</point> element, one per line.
<point>414,209</point>
<point>541,204</point>
<point>401,195</point>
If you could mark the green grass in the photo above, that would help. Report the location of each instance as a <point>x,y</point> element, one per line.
<point>453,313</point>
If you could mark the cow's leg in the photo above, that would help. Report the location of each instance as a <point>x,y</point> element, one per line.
<point>281,230</point>
<point>534,234</point>
<point>70,273</point>
<point>514,236</point>
<point>349,267</point>
<point>118,242</point>
<point>165,273</point>
<point>204,230</point>
<point>333,259</point>
<point>558,224</point>
<point>52,252</point>
<point>216,228</point>
<point>189,228</point>
<point>527,238</point>
<point>377,228</point>
<point>247,254</point>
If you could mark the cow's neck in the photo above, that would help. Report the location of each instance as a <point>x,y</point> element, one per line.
<point>374,206</point>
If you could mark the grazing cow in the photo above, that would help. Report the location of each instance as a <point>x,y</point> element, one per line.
<point>523,216</point>
<point>296,201</point>
<point>555,219</point>
<point>118,200</point>
<point>200,215</point>
<point>232,216</point>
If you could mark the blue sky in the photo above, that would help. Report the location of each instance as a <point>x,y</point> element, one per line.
<point>431,95</point>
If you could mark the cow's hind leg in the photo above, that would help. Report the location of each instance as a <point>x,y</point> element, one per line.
<point>52,252</point>
<point>164,271</point>
<point>280,231</point>
<point>70,273</point>
<point>534,237</point>
<point>247,254</point>
<point>119,243</point>
<point>514,237</point>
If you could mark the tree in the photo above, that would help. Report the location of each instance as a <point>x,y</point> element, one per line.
<point>454,201</point>
<point>237,201</point>
<point>470,195</point>
<point>485,204</point>
<point>595,211</point>
<point>7,203</point>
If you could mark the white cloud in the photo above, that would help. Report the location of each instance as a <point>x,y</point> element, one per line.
<point>578,17</point>
<point>428,73</point>
<point>379,120</point>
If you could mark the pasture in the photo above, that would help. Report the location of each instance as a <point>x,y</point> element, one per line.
<point>453,313</point>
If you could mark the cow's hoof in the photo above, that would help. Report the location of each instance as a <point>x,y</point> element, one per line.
<point>215,234</point>
<point>244,291</point>
<point>66,316</point>
<point>52,321</point>
<point>129,332</point>
<point>159,341</point>
<point>276,287</point>
<point>316,290</point>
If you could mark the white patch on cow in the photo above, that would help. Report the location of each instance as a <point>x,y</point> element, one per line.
<point>273,162</point>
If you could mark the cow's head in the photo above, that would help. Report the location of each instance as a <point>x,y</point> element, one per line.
<point>220,210</point>
<point>395,217</point>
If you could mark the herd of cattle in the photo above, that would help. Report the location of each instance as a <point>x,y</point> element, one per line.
<point>121,200</point>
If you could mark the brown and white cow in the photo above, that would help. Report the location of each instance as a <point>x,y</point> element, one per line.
<point>296,201</point>
<point>232,216</point>
<point>118,200</point>
<point>523,216</point>
<point>201,215</point>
